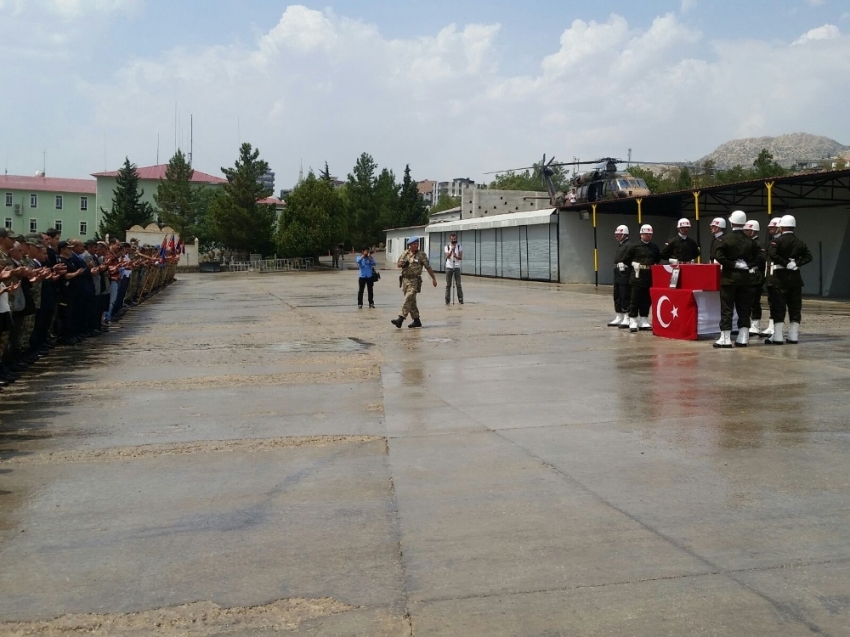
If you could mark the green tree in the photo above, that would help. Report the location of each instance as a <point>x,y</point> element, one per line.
<point>387,204</point>
<point>684,181</point>
<point>176,198</point>
<point>445,203</point>
<point>363,221</point>
<point>765,166</point>
<point>411,207</point>
<point>128,209</point>
<point>312,220</point>
<point>512,180</point>
<point>653,181</point>
<point>238,221</point>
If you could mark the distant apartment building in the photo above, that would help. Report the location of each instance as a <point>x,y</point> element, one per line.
<point>267,180</point>
<point>34,204</point>
<point>453,188</point>
<point>426,191</point>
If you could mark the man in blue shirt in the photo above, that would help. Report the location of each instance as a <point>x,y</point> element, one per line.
<point>366,264</point>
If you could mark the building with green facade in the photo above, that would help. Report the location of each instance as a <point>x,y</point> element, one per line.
<point>34,204</point>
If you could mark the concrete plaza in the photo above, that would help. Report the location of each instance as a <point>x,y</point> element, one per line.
<point>252,454</point>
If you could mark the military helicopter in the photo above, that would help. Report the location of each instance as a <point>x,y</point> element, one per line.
<point>602,183</point>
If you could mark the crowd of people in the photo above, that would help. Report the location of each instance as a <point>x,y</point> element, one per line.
<point>746,264</point>
<point>58,293</point>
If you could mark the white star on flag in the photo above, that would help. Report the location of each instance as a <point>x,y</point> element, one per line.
<point>675,312</point>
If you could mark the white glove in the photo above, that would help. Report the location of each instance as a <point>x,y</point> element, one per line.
<point>792,265</point>
<point>636,265</point>
<point>741,265</point>
<point>674,261</point>
<point>753,270</point>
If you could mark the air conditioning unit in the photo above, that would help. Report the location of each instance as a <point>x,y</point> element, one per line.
<point>18,209</point>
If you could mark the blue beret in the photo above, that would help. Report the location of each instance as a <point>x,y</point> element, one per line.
<point>412,240</point>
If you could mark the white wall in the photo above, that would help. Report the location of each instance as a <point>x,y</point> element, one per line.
<point>485,202</point>
<point>396,242</point>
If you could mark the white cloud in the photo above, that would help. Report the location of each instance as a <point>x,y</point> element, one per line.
<point>320,86</point>
<point>845,15</point>
<point>688,5</point>
<point>826,32</point>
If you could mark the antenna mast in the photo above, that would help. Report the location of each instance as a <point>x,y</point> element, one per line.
<point>157,149</point>
<point>191,136</point>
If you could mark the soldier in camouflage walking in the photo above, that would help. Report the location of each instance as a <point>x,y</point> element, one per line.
<point>412,263</point>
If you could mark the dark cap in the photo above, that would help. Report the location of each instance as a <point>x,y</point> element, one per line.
<point>34,239</point>
<point>62,245</point>
<point>5,233</point>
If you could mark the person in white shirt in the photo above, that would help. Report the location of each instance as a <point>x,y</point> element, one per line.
<point>454,255</point>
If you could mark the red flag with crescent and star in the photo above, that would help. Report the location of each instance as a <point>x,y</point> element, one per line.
<point>674,313</point>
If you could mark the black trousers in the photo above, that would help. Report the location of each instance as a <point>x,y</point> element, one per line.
<point>367,283</point>
<point>622,298</point>
<point>790,300</point>
<point>735,298</point>
<point>755,303</point>
<point>640,301</point>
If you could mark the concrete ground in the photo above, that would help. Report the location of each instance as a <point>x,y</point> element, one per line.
<point>252,454</point>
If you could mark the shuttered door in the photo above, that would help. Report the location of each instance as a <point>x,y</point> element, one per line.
<point>467,242</point>
<point>523,252</point>
<point>487,258</point>
<point>435,251</point>
<point>538,252</point>
<point>553,251</point>
<point>509,250</point>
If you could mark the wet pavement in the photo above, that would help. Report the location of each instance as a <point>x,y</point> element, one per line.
<point>252,454</point>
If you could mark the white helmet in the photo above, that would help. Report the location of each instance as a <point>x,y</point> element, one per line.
<point>646,229</point>
<point>720,222</point>
<point>683,223</point>
<point>752,224</point>
<point>622,230</point>
<point>738,218</point>
<point>774,222</point>
<point>788,221</point>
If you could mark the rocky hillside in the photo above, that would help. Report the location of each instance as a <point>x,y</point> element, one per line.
<point>786,149</point>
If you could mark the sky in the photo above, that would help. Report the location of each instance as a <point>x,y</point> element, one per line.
<point>454,89</point>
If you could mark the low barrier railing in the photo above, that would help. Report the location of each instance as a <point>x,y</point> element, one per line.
<point>273,265</point>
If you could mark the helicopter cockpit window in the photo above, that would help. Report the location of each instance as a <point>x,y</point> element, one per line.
<point>623,183</point>
<point>642,183</point>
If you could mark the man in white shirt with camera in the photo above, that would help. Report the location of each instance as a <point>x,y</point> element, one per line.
<point>454,255</point>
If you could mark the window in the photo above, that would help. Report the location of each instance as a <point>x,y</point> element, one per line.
<point>389,245</point>
<point>33,225</point>
<point>84,228</point>
<point>84,203</point>
<point>58,225</point>
<point>8,223</point>
<point>8,199</point>
<point>33,200</point>
<point>58,202</point>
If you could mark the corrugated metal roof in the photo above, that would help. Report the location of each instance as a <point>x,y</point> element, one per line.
<point>526,218</point>
<point>48,184</point>
<point>158,172</point>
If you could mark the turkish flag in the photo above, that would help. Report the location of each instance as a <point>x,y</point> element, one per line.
<point>692,276</point>
<point>674,313</point>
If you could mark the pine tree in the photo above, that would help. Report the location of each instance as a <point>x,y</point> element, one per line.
<point>177,199</point>
<point>361,200</point>
<point>313,219</point>
<point>127,207</point>
<point>238,221</point>
<point>412,209</point>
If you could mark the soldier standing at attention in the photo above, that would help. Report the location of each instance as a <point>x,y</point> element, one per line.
<point>412,262</point>
<point>736,255</point>
<point>681,248</point>
<point>787,255</point>
<point>642,256</point>
<point>717,227</point>
<point>770,278</point>
<point>751,229</point>
<point>622,270</point>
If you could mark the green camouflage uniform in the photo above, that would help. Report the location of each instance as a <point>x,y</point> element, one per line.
<point>29,320</point>
<point>6,262</point>
<point>411,281</point>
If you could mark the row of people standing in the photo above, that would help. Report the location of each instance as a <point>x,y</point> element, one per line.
<point>745,266</point>
<point>55,292</point>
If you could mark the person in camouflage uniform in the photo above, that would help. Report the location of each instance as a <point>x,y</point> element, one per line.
<point>412,262</point>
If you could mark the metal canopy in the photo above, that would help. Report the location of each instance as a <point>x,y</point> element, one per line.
<point>526,218</point>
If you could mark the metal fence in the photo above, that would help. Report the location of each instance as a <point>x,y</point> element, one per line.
<point>272,265</point>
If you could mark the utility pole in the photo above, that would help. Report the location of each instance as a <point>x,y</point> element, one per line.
<point>191,137</point>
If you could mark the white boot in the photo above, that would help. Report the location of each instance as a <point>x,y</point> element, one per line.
<point>776,338</point>
<point>633,325</point>
<point>624,324</point>
<point>725,340</point>
<point>743,337</point>
<point>754,327</point>
<point>616,321</point>
<point>793,333</point>
<point>769,330</point>
<point>643,324</point>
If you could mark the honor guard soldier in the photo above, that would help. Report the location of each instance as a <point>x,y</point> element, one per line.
<point>787,255</point>
<point>412,262</point>
<point>681,248</point>
<point>770,279</point>
<point>622,272</point>
<point>751,229</point>
<point>642,255</point>
<point>717,228</point>
<point>736,255</point>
